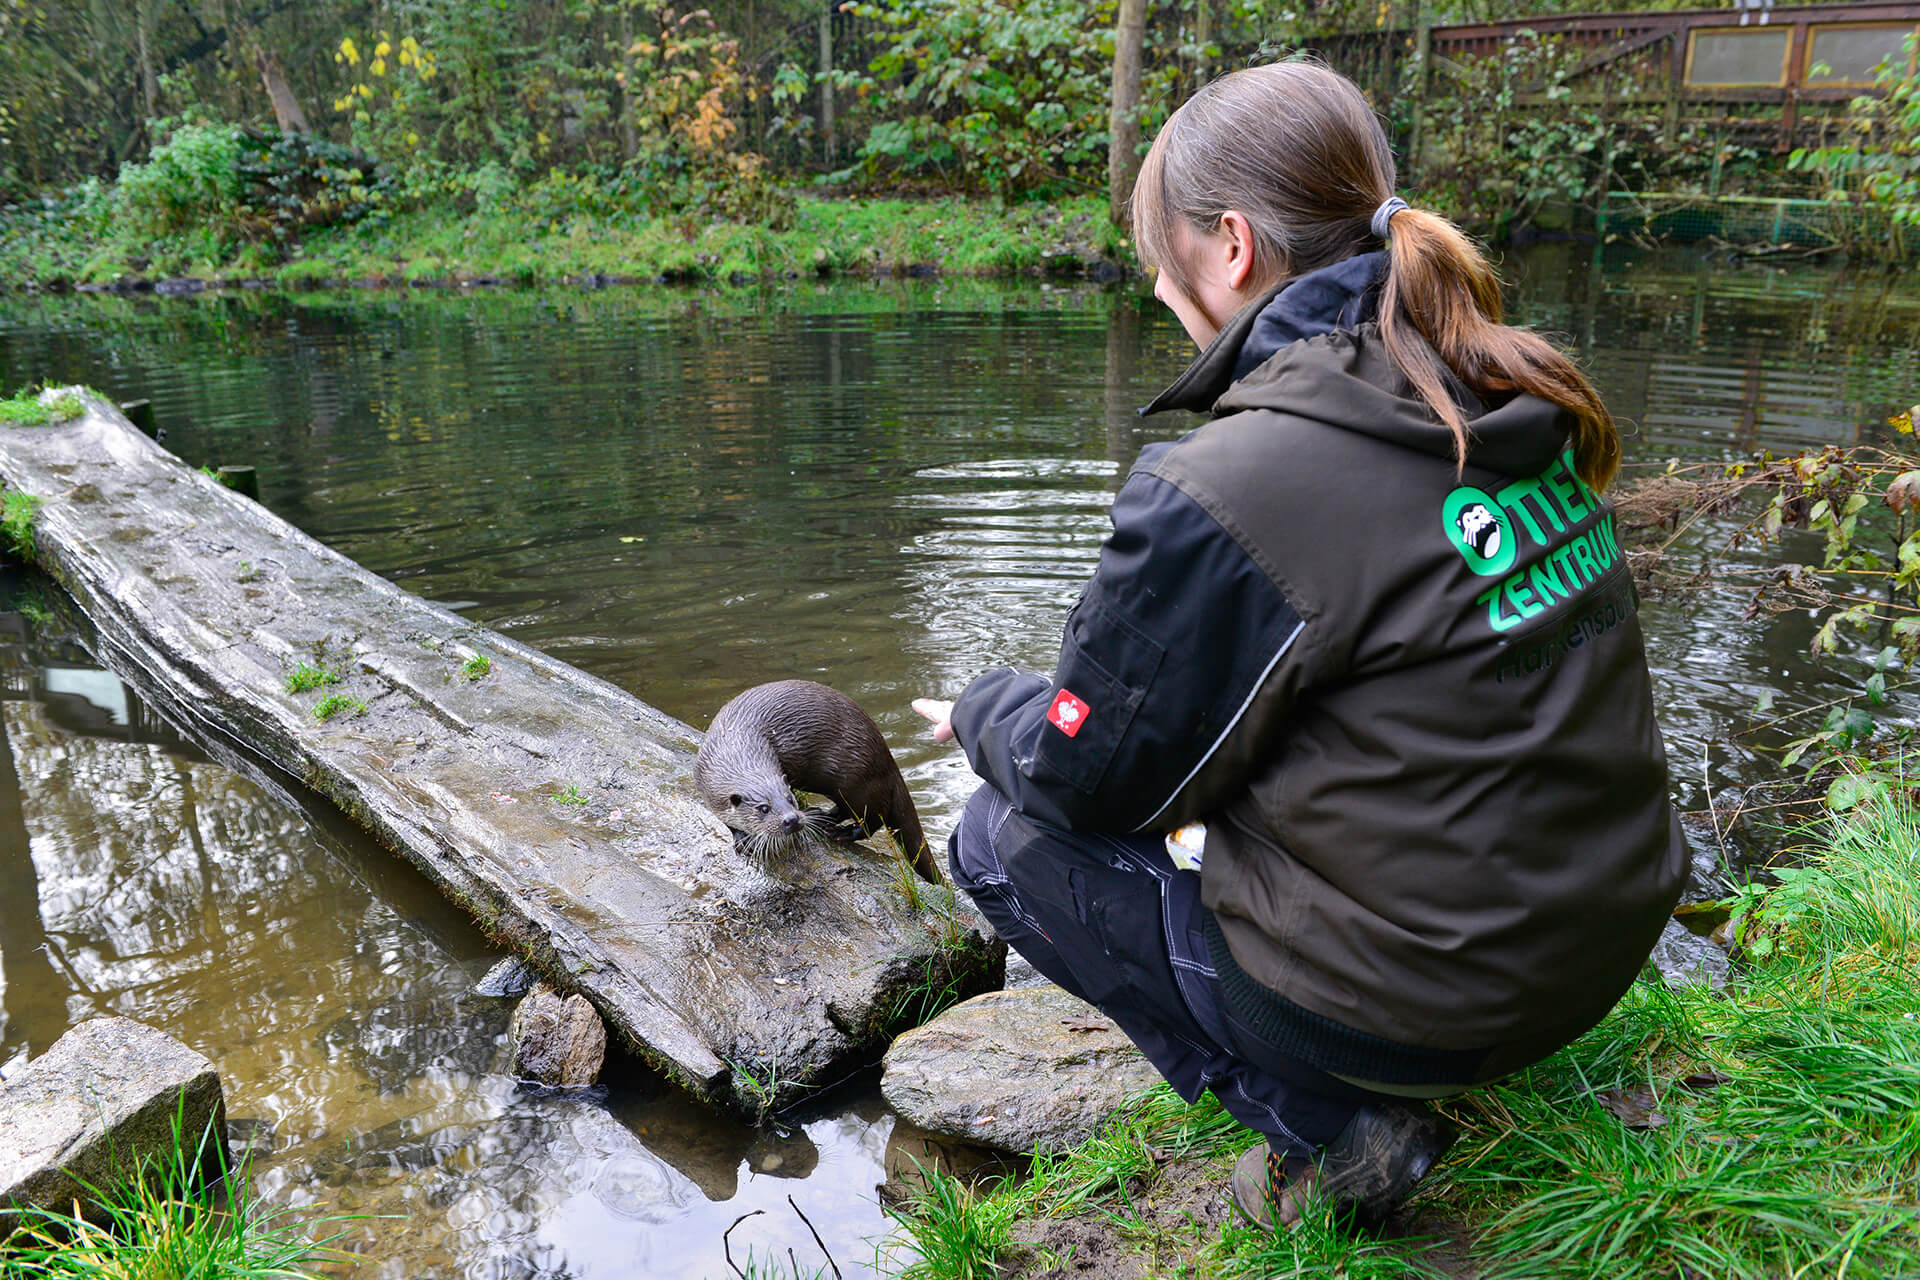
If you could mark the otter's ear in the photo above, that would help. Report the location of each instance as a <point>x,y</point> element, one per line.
<point>735,801</point>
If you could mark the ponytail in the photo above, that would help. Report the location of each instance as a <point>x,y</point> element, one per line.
<point>1440,316</point>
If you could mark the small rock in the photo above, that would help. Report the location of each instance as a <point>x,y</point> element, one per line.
<point>1686,960</point>
<point>249,1138</point>
<point>89,1110</point>
<point>1021,973</point>
<point>1020,1070</point>
<point>557,1041</point>
<point>511,977</point>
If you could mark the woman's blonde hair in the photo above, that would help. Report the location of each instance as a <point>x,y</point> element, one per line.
<point>1294,147</point>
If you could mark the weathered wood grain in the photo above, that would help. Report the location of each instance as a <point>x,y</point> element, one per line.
<point>748,989</point>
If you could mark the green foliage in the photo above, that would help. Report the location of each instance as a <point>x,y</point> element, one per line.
<point>1547,150</point>
<point>190,179</point>
<point>478,667</point>
<point>1006,96</point>
<point>17,513</point>
<point>306,675</point>
<point>569,795</point>
<point>259,185</point>
<point>170,1218</point>
<point>335,703</point>
<point>1879,164</point>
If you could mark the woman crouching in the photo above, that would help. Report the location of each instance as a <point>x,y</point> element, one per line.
<point>1365,642</point>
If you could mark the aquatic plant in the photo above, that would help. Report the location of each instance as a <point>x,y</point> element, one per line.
<point>569,795</point>
<point>17,513</point>
<point>761,1088</point>
<point>334,703</point>
<point>25,410</point>
<point>183,1214</point>
<point>477,667</point>
<point>305,676</point>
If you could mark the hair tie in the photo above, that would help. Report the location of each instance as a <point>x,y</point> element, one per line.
<point>1383,216</point>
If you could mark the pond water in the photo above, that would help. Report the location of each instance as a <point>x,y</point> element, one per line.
<point>887,486</point>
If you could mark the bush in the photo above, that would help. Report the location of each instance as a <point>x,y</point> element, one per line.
<point>264,185</point>
<point>1007,96</point>
<point>191,178</point>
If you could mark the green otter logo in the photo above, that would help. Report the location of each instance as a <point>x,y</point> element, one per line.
<point>1477,526</point>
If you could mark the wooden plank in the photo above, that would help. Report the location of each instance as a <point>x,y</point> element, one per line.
<point>552,805</point>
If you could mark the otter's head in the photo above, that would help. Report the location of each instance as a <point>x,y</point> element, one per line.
<point>768,820</point>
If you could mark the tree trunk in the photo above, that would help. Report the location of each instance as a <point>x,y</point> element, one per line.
<point>629,144</point>
<point>149,82</point>
<point>1123,123</point>
<point>286,107</point>
<point>826,82</point>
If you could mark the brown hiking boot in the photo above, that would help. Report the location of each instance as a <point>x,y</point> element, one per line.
<point>1364,1174</point>
<point>1271,1191</point>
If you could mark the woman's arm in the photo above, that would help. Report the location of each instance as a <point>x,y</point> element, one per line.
<point>1178,662</point>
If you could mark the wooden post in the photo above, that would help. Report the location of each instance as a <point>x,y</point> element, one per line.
<point>140,414</point>
<point>244,481</point>
<point>826,82</point>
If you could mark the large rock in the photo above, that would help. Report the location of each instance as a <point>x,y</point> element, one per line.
<point>1021,1070</point>
<point>557,1040</point>
<point>91,1109</point>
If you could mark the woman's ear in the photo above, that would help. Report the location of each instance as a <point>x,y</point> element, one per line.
<point>1236,249</point>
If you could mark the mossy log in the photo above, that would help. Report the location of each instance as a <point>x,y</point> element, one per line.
<point>552,805</point>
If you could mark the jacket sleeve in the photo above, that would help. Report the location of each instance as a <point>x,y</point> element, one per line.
<point>1150,718</point>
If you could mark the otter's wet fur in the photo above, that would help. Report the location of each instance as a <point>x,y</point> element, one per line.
<point>790,735</point>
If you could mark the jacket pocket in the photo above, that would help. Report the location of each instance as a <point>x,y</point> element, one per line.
<point>1105,693</point>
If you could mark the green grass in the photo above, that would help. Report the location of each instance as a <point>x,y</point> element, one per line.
<point>335,703</point>
<point>1790,1144</point>
<point>17,513</point>
<point>25,410</point>
<point>959,237</point>
<point>306,675</point>
<point>167,1220</point>
<point>569,795</point>
<point>478,667</point>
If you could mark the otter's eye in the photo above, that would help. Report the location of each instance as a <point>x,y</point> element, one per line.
<point>765,807</point>
<point>734,802</point>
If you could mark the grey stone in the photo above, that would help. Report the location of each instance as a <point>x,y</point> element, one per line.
<point>511,977</point>
<point>96,1105</point>
<point>1022,1070</point>
<point>1685,959</point>
<point>557,1041</point>
<point>1021,973</point>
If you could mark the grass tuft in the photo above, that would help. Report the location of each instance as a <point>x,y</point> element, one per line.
<point>478,667</point>
<point>17,513</point>
<point>25,410</point>
<point>306,675</point>
<point>335,703</point>
<point>167,1219</point>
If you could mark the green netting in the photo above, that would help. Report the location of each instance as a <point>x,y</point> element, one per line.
<point>1751,220</point>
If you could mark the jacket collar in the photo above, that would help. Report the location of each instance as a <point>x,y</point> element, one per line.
<point>1340,296</point>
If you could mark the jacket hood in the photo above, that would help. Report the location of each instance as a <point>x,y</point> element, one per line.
<point>1311,348</point>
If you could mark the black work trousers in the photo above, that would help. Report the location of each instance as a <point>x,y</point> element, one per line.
<point>1111,919</point>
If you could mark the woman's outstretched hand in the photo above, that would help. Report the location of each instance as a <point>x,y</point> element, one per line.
<point>941,713</point>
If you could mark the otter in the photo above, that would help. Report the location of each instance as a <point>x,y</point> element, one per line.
<point>795,734</point>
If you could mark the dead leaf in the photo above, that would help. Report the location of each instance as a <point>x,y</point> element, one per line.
<point>1086,1022</point>
<point>1704,1080</point>
<point>1635,1108</point>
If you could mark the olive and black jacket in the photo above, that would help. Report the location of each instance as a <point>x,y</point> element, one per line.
<point>1411,704</point>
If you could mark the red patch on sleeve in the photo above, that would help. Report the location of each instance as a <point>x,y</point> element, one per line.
<point>1067,713</point>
